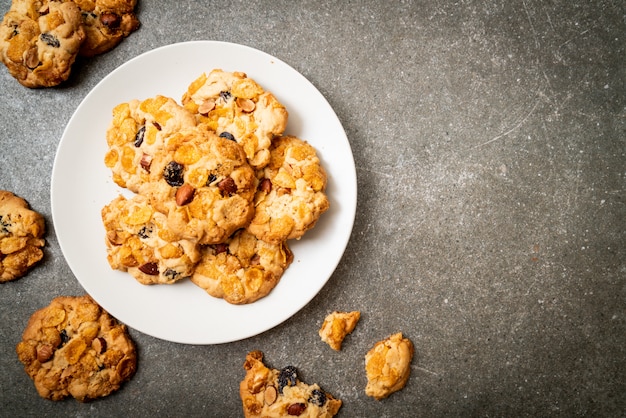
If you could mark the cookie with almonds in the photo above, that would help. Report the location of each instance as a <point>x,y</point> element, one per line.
<point>73,347</point>
<point>388,366</point>
<point>139,241</point>
<point>206,186</point>
<point>236,106</point>
<point>136,135</point>
<point>106,24</point>
<point>291,195</point>
<point>39,41</point>
<point>21,236</point>
<point>242,270</point>
<point>269,392</point>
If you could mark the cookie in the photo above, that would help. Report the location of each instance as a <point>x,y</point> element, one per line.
<point>267,392</point>
<point>243,269</point>
<point>336,326</point>
<point>73,347</point>
<point>39,41</point>
<point>139,241</point>
<point>106,24</point>
<point>136,135</point>
<point>206,187</point>
<point>21,236</point>
<point>234,105</point>
<point>291,195</point>
<point>388,366</point>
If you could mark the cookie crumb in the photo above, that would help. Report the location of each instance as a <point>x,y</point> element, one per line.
<point>337,325</point>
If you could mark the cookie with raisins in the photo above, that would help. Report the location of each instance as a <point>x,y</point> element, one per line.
<point>21,236</point>
<point>388,366</point>
<point>39,41</point>
<point>106,24</point>
<point>242,270</point>
<point>139,241</point>
<point>268,392</point>
<point>73,347</point>
<point>135,138</point>
<point>291,195</point>
<point>234,105</point>
<point>206,186</point>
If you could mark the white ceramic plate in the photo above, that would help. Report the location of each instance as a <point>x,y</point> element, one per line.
<point>82,185</point>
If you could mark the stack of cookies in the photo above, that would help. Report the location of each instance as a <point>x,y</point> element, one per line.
<point>218,189</point>
<point>40,39</point>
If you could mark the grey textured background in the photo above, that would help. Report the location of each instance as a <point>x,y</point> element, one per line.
<point>489,140</point>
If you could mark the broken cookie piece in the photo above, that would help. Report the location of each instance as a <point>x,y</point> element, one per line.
<point>21,236</point>
<point>388,366</point>
<point>336,326</point>
<point>267,392</point>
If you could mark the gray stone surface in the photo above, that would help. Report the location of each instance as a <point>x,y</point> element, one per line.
<point>489,139</point>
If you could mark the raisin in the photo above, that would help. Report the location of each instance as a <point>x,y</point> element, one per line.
<point>225,95</point>
<point>110,20</point>
<point>139,136</point>
<point>51,40</point>
<point>173,174</point>
<point>156,125</point>
<point>227,135</point>
<point>227,186</point>
<point>211,179</point>
<point>220,248</point>
<point>171,273</point>
<point>4,225</point>
<point>145,232</point>
<point>317,397</point>
<point>287,377</point>
<point>64,338</point>
<point>151,269</point>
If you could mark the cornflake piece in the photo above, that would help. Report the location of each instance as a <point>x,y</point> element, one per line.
<point>336,326</point>
<point>388,366</point>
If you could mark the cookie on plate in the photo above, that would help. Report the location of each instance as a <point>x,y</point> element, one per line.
<point>39,41</point>
<point>234,105</point>
<point>139,241</point>
<point>243,269</point>
<point>106,24</point>
<point>388,366</point>
<point>337,325</point>
<point>73,347</point>
<point>267,392</point>
<point>21,236</point>
<point>206,186</point>
<point>136,135</point>
<point>291,195</point>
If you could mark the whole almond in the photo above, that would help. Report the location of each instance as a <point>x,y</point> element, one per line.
<point>184,194</point>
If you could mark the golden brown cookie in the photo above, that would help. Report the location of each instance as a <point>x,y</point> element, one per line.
<point>206,186</point>
<point>234,105</point>
<point>136,138</point>
<point>267,392</point>
<point>106,24</point>
<point>243,269</point>
<point>73,347</point>
<point>336,326</point>
<point>139,241</point>
<point>388,366</point>
<point>291,194</point>
<point>39,41</point>
<point>21,236</point>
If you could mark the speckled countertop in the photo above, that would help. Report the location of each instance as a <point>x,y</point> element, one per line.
<point>489,140</point>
